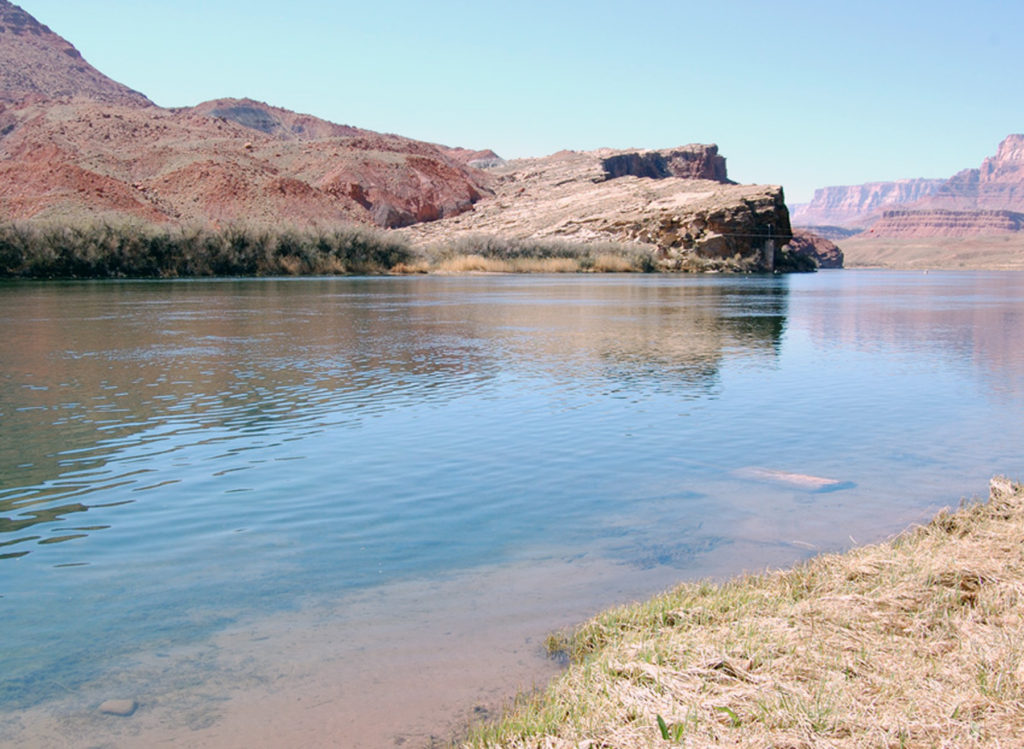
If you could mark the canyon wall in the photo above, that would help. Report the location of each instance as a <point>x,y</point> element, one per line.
<point>857,206</point>
<point>940,222</point>
<point>973,202</point>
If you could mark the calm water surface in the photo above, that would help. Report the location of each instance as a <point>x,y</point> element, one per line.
<point>345,511</point>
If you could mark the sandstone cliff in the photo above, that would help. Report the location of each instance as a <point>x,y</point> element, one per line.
<point>624,196</point>
<point>76,146</point>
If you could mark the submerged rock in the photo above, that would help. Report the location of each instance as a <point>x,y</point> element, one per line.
<point>123,708</point>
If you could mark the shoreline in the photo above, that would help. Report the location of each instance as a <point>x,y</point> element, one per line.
<point>915,641</point>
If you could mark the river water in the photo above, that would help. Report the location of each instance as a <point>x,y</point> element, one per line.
<point>346,511</point>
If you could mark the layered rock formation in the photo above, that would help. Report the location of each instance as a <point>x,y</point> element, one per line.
<point>36,63</point>
<point>598,196</point>
<point>940,222</point>
<point>858,206</point>
<point>275,121</point>
<point>485,159</point>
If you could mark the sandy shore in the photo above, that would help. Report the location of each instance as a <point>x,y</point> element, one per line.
<point>915,642</point>
<point>992,252</point>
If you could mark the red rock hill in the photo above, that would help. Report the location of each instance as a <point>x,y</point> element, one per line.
<point>76,145</point>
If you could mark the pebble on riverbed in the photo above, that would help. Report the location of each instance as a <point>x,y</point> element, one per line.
<point>123,708</point>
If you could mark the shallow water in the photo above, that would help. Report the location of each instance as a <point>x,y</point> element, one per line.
<point>347,511</point>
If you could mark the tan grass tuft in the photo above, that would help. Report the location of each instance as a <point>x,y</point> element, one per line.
<point>473,264</point>
<point>608,263</point>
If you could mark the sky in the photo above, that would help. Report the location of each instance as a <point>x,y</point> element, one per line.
<point>803,94</point>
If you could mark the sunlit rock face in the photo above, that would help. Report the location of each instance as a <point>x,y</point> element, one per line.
<point>629,196</point>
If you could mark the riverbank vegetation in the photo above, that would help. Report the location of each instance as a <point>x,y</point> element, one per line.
<point>148,251</point>
<point>105,250</point>
<point>500,255</point>
<point>917,642</point>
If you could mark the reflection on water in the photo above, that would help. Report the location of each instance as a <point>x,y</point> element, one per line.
<point>180,459</point>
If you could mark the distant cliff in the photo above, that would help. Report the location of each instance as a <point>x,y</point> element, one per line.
<point>857,206</point>
<point>973,202</point>
<point>940,222</point>
<point>997,185</point>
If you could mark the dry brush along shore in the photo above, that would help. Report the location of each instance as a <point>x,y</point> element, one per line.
<point>916,642</point>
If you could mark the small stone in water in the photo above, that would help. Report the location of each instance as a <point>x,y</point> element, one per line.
<point>119,707</point>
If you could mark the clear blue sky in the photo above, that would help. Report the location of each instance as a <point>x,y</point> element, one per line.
<point>803,94</point>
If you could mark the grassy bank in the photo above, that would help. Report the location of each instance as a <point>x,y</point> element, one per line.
<point>917,642</point>
<point>485,253</point>
<point>149,251</point>
<point>104,250</point>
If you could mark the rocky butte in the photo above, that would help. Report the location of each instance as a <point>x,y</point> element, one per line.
<point>678,202</point>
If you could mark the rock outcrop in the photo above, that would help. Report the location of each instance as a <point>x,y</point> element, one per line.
<point>572,195</point>
<point>824,252</point>
<point>36,63</point>
<point>693,161</point>
<point>858,206</point>
<point>485,159</point>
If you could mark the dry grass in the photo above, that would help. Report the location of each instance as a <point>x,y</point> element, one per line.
<point>917,642</point>
<point>481,264</point>
<point>490,254</point>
